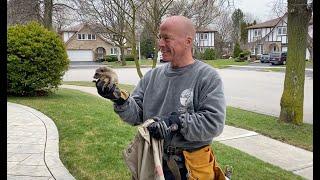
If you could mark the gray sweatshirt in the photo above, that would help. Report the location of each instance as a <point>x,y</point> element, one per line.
<point>194,91</point>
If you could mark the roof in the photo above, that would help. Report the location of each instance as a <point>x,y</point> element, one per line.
<point>206,30</point>
<point>270,23</point>
<point>79,27</point>
<point>75,28</point>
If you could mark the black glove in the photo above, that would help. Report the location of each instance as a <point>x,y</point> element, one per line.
<point>163,127</point>
<point>112,92</point>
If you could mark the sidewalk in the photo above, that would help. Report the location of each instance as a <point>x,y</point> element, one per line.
<point>32,146</point>
<point>288,157</point>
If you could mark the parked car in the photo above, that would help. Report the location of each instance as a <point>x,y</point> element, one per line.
<point>265,58</point>
<point>278,58</point>
<point>160,58</point>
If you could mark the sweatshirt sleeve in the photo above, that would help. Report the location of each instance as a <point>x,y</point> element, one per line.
<point>132,110</point>
<point>208,120</point>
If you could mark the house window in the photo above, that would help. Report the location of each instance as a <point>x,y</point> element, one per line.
<point>89,36</point>
<point>83,36</point>
<point>79,36</point>
<point>114,51</point>
<point>204,36</point>
<point>93,36</point>
<point>115,37</point>
<point>282,30</point>
<point>257,32</point>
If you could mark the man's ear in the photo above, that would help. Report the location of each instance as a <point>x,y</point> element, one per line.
<point>189,41</point>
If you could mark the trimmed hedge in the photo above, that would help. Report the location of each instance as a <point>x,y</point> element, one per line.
<point>129,58</point>
<point>111,58</point>
<point>37,60</point>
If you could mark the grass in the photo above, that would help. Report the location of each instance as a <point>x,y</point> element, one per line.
<point>130,64</point>
<point>300,136</point>
<point>224,63</point>
<point>219,63</point>
<point>127,87</point>
<point>92,138</point>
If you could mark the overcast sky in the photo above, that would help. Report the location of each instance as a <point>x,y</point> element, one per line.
<point>258,8</point>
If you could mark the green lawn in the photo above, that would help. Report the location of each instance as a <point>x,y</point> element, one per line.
<point>224,63</point>
<point>130,64</point>
<point>219,63</point>
<point>300,136</point>
<point>127,87</point>
<point>92,138</point>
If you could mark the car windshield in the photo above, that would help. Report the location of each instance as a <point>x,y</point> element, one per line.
<point>275,55</point>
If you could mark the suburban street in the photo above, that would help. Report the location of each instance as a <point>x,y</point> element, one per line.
<point>256,91</point>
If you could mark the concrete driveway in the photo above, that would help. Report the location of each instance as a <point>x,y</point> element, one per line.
<point>251,90</point>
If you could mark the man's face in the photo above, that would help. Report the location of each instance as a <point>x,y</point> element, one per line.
<point>172,42</point>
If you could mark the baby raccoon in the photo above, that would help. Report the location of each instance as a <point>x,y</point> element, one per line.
<point>107,75</point>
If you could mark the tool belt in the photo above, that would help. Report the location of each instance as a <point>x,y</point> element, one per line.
<point>171,150</point>
<point>200,163</point>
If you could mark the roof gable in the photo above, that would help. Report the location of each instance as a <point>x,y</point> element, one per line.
<point>270,23</point>
<point>86,28</point>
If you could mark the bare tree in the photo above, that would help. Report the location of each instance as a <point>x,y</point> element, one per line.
<point>151,15</point>
<point>107,18</point>
<point>223,24</point>
<point>22,11</point>
<point>201,12</point>
<point>63,16</point>
<point>118,17</point>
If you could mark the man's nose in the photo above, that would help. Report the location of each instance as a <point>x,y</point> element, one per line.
<point>161,42</point>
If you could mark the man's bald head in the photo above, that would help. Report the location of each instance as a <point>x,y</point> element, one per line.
<point>183,24</point>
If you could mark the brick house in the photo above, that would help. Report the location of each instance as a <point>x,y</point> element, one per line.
<point>84,44</point>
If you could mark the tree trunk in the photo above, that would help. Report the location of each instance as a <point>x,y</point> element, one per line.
<point>47,19</point>
<point>293,93</point>
<point>155,51</point>
<point>136,61</point>
<point>123,61</point>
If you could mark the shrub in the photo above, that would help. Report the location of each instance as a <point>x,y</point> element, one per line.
<point>237,50</point>
<point>111,58</point>
<point>129,58</point>
<point>198,55</point>
<point>209,54</point>
<point>37,60</point>
<point>246,53</point>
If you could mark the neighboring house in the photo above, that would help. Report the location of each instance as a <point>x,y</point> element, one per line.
<point>270,36</point>
<point>204,39</point>
<point>83,44</point>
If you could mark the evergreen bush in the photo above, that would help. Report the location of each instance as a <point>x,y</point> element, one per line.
<point>111,58</point>
<point>209,54</point>
<point>237,50</point>
<point>36,60</point>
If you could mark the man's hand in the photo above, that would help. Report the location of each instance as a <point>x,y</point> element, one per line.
<point>112,92</point>
<point>159,130</point>
<point>164,126</point>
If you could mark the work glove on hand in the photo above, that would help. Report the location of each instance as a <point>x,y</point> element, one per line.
<point>112,91</point>
<point>164,126</point>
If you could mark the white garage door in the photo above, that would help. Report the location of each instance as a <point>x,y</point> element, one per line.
<point>80,55</point>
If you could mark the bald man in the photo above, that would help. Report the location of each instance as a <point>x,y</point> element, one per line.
<point>185,97</point>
